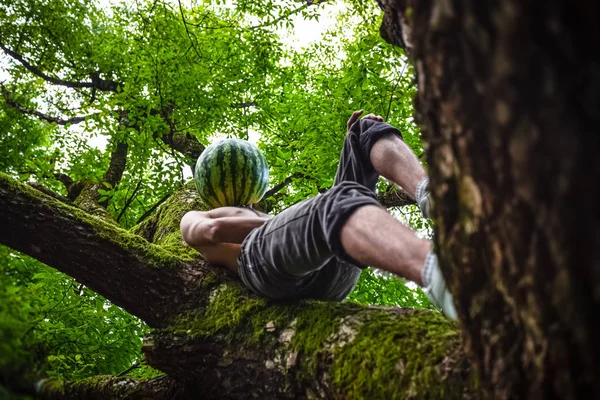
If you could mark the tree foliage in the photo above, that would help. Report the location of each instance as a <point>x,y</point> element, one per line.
<point>115,102</point>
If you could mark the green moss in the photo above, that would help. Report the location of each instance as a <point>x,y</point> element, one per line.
<point>88,201</point>
<point>153,255</point>
<point>107,386</point>
<point>399,357</point>
<point>146,228</point>
<point>366,353</point>
<point>54,387</point>
<point>163,227</point>
<point>228,307</point>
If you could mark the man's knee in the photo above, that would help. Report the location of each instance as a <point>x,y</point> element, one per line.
<point>336,206</point>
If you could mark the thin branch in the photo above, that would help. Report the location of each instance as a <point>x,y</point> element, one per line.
<point>279,186</point>
<point>49,192</point>
<point>40,115</point>
<point>34,324</point>
<point>283,16</point>
<point>97,82</point>
<point>154,207</point>
<point>187,31</point>
<point>246,104</point>
<point>394,89</point>
<point>128,370</point>
<point>129,200</point>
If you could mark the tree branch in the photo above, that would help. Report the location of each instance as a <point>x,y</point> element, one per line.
<point>118,161</point>
<point>97,253</point>
<point>185,144</point>
<point>280,186</point>
<point>98,387</point>
<point>97,82</point>
<point>285,15</point>
<point>224,341</point>
<point>40,115</point>
<point>187,31</point>
<point>245,104</point>
<point>154,207</point>
<point>129,200</point>
<point>312,350</point>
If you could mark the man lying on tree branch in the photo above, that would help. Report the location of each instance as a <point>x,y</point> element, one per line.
<point>317,248</point>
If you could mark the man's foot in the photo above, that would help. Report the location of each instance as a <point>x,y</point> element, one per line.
<point>422,197</point>
<point>435,287</point>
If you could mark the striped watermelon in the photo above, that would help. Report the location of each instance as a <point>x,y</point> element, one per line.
<point>231,172</point>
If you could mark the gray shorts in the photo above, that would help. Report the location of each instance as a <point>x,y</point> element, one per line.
<point>298,253</point>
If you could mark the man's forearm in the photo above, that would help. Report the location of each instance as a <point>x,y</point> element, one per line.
<point>235,229</point>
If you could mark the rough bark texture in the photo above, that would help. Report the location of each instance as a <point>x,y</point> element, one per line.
<point>509,93</point>
<point>251,348</point>
<point>220,341</point>
<point>98,388</point>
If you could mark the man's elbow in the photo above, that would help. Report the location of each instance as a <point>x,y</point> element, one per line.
<point>213,231</point>
<point>198,233</point>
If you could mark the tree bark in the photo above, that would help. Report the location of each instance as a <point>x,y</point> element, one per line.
<point>219,340</point>
<point>508,99</point>
<point>98,388</point>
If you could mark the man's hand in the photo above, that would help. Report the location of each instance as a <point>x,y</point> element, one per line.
<point>357,114</point>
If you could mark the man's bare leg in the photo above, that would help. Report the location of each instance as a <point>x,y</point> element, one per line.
<point>373,237</point>
<point>394,160</point>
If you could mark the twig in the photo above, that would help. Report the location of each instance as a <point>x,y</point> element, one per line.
<point>394,89</point>
<point>97,82</point>
<point>187,31</point>
<point>128,370</point>
<point>283,16</point>
<point>154,207</point>
<point>40,115</point>
<point>129,200</point>
<point>280,186</point>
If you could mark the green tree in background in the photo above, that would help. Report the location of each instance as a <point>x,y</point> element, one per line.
<point>105,108</point>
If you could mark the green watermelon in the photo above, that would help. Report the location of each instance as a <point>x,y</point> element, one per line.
<point>231,172</point>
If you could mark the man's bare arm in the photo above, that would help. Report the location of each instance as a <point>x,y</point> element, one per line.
<point>201,228</point>
<point>235,229</point>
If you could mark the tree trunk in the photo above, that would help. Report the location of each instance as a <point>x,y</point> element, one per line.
<point>214,337</point>
<point>508,99</point>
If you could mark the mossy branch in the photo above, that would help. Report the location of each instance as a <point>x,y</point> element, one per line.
<point>241,344</point>
<point>144,278</point>
<point>214,333</point>
<point>105,387</point>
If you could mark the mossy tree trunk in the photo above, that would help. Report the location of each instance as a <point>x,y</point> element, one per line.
<point>509,93</point>
<point>212,336</point>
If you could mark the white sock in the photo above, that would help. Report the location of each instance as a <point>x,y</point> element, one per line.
<point>422,196</point>
<point>429,266</point>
